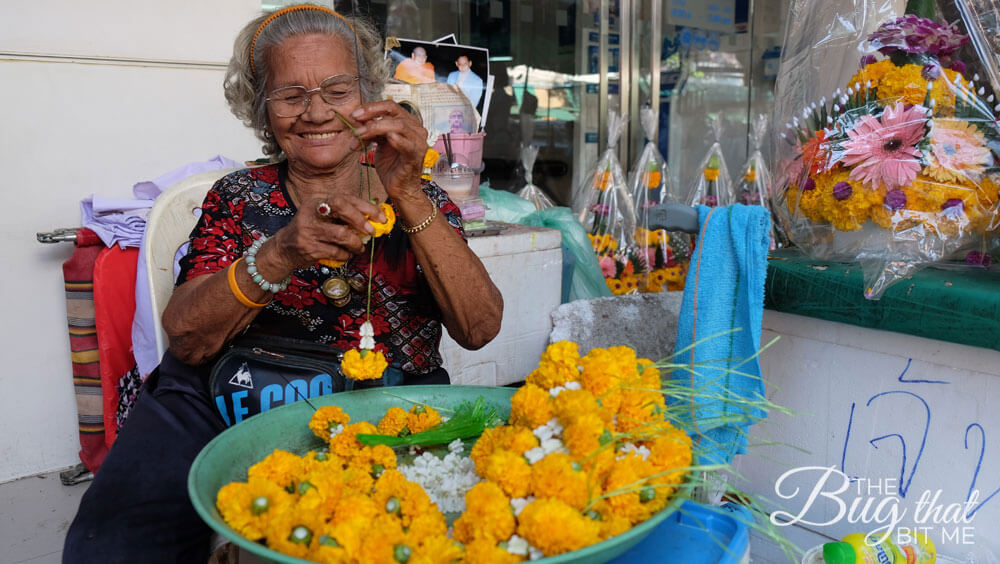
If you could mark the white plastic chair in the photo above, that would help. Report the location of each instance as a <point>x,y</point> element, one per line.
<point>170,222</point>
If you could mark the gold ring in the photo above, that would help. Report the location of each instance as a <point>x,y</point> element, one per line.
<point>323,209</point>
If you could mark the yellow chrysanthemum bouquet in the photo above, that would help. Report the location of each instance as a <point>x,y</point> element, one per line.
<point>896,166</point>
<point>605,208</point>
<point>665,254</point>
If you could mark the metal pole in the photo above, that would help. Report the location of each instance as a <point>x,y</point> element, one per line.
<point>656,39</point>
<point>602,72</point>
<point>626,80</point>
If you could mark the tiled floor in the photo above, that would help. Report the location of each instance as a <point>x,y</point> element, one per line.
<point>35,513</point>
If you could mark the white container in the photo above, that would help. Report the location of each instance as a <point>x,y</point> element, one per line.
<point>525,263</point>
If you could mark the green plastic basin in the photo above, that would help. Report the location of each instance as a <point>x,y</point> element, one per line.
<point>227,457</point>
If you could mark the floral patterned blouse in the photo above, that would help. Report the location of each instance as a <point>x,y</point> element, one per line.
<point>246,204</point>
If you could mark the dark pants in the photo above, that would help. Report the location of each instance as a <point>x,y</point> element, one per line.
<point>137,509</point>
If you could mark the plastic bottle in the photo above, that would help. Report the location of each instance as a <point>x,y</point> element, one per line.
<point>857,548</point>
<point>918,548</point>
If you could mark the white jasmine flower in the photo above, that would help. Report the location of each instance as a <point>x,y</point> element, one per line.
<point>517,545</point>
<point>534,454</point>
<point>519,503</point>
<point>573,385</point>
<point>554,445</point>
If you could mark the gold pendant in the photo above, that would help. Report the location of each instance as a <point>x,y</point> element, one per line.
<point>357,282</point>
<point>336,289</point>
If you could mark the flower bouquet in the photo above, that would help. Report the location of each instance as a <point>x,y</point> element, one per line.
<point>752,187</point>
<point>608,214</point>
<point>588,454</point>
<point>896,167</point>
<point>714,188</point>
<point>665,254</point>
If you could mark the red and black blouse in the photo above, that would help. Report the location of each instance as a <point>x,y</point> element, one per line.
<point>246,204</point>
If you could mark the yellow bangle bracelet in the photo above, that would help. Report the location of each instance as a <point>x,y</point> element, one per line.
<point>235,288</point>
<point>423,224</point>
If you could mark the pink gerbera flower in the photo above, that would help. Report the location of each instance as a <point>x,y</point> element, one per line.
<point>884,149</point>
<point>607,265</point>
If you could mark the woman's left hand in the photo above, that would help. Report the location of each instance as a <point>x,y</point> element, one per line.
<point>402,143</point>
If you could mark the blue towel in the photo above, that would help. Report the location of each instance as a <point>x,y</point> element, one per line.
<point>723,306</point>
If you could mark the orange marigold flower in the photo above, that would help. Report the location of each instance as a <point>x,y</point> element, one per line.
<point>295,532</point>
<point>639,407</point>
<point>555,528</point>
<point>326,419</point>
<point>358,478</point>
<point>583,436</point>
<point>530,406</point>
<point>622,485</point>
<point>394,421</point>
<point>649,376</point>
<point>281,467</point>
<point>508,470</point>
<point>437,549</point>
<point>571,404</point>
<point>346,444</point>
<point>557,366</point>
<point>320,491</point>
<point>390,220</point>
<point>378,544</point>
<point>426,525</point>
<point>347,535</point>
<point>611,524</point>
<point>483,551</point>
<point>504,437</point>
<point>363,365</point>
<point>249,507</point>
<point>353,505</point>
<point>397,495</point>
<point>487,516</point>
<point>554,476</point>
<point>421,418</point>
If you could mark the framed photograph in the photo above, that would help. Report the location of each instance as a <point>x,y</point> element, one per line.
<point>453,119</point>
<point>420,62</point>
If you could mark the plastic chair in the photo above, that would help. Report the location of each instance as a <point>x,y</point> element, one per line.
<point>173,216</point>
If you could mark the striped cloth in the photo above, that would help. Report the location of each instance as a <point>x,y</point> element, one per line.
<point>78,274</point>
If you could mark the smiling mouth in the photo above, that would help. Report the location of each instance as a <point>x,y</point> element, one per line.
<point>319,135</point>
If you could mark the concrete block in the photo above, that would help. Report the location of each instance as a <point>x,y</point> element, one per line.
<point>645,322</point>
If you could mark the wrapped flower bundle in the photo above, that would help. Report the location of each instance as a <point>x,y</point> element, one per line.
<point>608,215</point>
<point>587,454</point>
<point>714,187</point>
<point>665,254</point>
<point>898,167</point>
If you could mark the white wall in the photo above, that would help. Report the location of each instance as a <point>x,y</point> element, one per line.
<point>913,417</point>
<point>95,97</point>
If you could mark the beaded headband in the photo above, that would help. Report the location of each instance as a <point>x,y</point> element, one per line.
<point>282,12</point>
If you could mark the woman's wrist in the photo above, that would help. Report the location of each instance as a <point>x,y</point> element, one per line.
<point>264,271</point>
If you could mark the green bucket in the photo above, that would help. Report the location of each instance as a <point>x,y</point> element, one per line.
<point>228,456</point>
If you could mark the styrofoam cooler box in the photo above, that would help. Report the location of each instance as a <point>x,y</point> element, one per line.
<point>525,263</point>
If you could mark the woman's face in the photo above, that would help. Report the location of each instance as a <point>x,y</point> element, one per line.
<point>316,141</point>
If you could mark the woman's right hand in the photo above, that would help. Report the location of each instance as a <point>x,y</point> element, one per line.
<point>311,237</point>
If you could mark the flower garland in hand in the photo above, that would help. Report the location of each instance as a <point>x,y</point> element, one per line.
<point>365,363</point>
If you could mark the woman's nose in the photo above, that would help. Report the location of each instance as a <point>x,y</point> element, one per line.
<point>316,108</point>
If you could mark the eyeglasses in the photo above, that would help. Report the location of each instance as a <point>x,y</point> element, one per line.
<point>292,101</point>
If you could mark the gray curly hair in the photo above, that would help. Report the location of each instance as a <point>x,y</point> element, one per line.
<point>246,89</point>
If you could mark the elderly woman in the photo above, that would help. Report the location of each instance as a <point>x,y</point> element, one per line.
<point>307,80</point>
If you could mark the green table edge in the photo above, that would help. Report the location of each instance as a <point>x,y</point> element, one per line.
<point>958,305</point>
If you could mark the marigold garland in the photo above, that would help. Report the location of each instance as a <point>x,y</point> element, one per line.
<point>363,365</point>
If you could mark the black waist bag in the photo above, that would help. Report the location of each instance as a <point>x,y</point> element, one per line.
<point>258,373</point>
